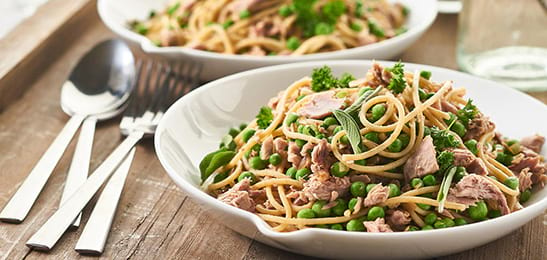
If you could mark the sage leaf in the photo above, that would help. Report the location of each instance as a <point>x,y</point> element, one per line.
<point>213,161</point>
<point>352,129</point>
<point>356,106</point>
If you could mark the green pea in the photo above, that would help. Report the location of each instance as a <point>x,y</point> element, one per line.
<point>471,144</point>
<point>341,206</point>
<point>355,225</point>
<point>430,218</point>
<point>317,208</point>
<point>416,183</point>
<point>247,134</point>
<point>427,227</point>
<point>285,10</point>
<point>329,121</point>
<point>396,146</point>
<point>460,173</point>
<point>422,94</point>
<point>458,128</point>
<point>423,206</point>
<point>244,14</point>
<point>439,224</point>
<point>337,129</point>
<point>308,130</point>
<point>404,138</point>
<point>305,213</point>
<point>337,226</point>
<point>358,189</point>
<point>322,226</point>
<point>320,136</point>
<point>275,159</point>
<point>344,139</point>
<point>369,187</point>
<point>257,163</point>
<point>356,27</point>
<point>449,222</point>
<point>242,126</point>
<point>300,129</point>
<point>394,190</point>
<point>248,175</point>
<point>233,132</point>
<point>291,118</point>
<point>293,43</point>
<point>352,203</point>
<point>525,195</point>
<point>413,228</point>
<point>479,211</point>
<point>227,24</point>
<point>291,172</point>
<point>300,143</point>
<point>494,213</point>
<point>512,182</point>
<point>460,221</point>
<point>339,169</point>
<point>429,180</point>
<point>372,136</point>
<point>302,173</point>
<point>378,111</point>
<point>375,212</point>
<point>505,159</point>
<point>425,74</point>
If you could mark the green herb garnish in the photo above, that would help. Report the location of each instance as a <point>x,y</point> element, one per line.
<point>398,82</point>
<point>445,160</point>
<point>467,113</point>
<point>375,29</point>
<point>322,79</point>
<point>264,117</point>
<point>442,139</point>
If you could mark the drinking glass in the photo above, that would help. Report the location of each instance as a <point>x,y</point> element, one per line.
<point>505,40</point>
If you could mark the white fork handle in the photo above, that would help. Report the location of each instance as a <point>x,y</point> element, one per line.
<point>46,237</point>
<point>93,238</point>
<point>79,167</point>
<point>19,205</point>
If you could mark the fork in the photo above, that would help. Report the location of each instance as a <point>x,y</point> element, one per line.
<point>152,97</point>
<point>93,237</point>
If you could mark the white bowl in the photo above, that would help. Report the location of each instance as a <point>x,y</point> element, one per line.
<point>193,126</point>
<point>116,14</point>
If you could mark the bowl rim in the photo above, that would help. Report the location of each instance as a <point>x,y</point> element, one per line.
<point>263,227</point>
<point>425,20</point>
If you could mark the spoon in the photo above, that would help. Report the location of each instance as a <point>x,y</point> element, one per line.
<point>101,82</point>
<point>79,167</point>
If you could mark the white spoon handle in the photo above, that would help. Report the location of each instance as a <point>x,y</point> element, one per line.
<point>79,167</point>
<point>19,205</point>
<point>46,237</point>
<point>93,238</point>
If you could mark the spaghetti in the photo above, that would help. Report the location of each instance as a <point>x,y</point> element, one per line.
<point>273,27</point>
<point>392,149</point>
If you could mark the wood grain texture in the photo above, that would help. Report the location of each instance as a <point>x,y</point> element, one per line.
<point>155,220</point>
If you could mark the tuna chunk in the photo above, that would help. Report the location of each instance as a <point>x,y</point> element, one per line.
<point>324,187</point>
<point>478,127</point>
<point>398,219</point>
<point>423,161</point>
<point>377,195</point>
<point>473,188</point>
<point>533,142</point>
<point>377,226</point>
<point>448,107</point>
<point>525,179</point>
<point>465,158</point>
<point>531,160</point>
<point>266,149</point>
<point>240,196</point>
<point>320,158</point>
<point>377,76</point>
<point>294,154</point>
<point>321,105</point>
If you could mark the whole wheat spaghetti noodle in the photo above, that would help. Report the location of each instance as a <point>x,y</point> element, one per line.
<point>391,151</point>
<point>273,27</point>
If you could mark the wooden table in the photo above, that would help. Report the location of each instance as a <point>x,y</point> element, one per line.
<point>155,220</point>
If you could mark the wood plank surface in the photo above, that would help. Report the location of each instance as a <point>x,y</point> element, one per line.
<point>155,220</point>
